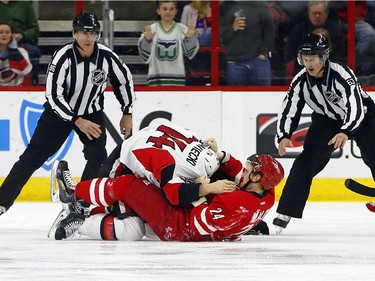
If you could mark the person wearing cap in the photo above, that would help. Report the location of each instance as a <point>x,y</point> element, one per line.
<point>342,110</point>
<point>77,76</point>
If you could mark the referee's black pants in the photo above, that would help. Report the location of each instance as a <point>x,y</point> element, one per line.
<point>315,156</point>
<point>50,134</point>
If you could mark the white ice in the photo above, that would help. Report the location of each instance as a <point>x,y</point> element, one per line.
<point>334,241</point>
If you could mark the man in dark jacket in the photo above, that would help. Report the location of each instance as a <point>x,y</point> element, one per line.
<point>246,28</point>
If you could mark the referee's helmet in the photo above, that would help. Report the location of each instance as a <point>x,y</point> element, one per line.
<point>314,44</point>
<point>86,22</point>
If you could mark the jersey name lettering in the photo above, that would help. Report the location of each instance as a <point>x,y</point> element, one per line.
<point>194,154</point>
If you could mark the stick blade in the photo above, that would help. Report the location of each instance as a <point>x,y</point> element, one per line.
<point>359,188</point>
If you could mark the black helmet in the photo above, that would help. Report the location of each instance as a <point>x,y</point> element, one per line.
<point>314,44</point>
<point>86,22</point>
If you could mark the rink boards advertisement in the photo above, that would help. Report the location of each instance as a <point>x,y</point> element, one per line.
<point>243,123</point>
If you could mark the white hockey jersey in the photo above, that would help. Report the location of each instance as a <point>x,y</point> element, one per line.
<point>165,54</point>
<point>170,157</point>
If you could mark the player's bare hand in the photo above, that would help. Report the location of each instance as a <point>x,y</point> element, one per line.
<point>203,179</point>
<point>126,125</point>
<point>211,143</point>
<point>217,187</point>
<point>338,140</point>
<point>148,33</point>
<point>283,145</point>
<point>90,129</point>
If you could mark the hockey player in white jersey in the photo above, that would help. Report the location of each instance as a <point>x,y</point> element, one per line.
<point>172,158</point>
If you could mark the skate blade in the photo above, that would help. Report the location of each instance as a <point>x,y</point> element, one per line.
<point>278,229</point>
<point>54,187</point>
<point>62,215</point>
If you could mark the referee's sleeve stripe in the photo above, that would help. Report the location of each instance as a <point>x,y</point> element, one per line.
<point>123,89</point>
<point>58,103</point>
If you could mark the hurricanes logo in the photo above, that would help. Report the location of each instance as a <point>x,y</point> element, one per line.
<point>267,142</point>
<point>98,77</point>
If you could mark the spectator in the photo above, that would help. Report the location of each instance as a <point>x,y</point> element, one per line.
<point>364,36</point>
<point>247,32</point>
<point>287,14</point>
<point>318,12</point>
<point>26,29</point>
<point>76,79</point>
<point>324,32</point>
<point>163,46</point>
<point>198,14</point>
<point>14,61</point>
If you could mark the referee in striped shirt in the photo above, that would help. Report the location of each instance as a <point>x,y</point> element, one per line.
<point>76,80</point>
<point>341,110</point>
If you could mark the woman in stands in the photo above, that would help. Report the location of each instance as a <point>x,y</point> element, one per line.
<point>14,61</point>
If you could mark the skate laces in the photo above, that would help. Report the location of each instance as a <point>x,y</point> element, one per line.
<point>69,181</point>
<point>76,206</point>
<point>72,227</point>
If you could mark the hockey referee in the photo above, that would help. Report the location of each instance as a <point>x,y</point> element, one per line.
<point>342,110</point>
<point>76,79</point>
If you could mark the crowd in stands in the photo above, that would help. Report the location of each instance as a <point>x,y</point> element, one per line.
<point>20,15</point>
<point>258,39</point>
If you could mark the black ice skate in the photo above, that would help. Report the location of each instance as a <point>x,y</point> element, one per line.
<point>280,222</point>
<point>69,226</point>
<point>66,183</point>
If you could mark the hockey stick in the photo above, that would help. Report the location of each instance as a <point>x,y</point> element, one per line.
<point>360,188</point>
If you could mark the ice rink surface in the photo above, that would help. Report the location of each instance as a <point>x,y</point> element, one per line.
<point>334,241</point>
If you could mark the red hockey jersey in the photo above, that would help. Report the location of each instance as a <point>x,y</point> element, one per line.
<point>228,216</point>
<point>224,217</point>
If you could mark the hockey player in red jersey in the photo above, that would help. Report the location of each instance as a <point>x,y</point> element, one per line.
<point>223,217</point>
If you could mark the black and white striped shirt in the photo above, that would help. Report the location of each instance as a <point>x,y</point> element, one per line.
<point>337,95</point>
<point>75,85</point>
